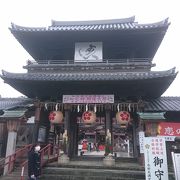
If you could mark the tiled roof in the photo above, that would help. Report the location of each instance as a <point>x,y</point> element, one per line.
<point>161,104</point>
<point>164,104</point>
<point>9,103</point>
<point>96,25</point>
<point>147,116</point>
<point>89,76</point>
<point>14,114</point>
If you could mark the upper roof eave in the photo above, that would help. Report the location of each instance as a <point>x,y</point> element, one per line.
<point>93,22</point>
<point>97,25</point>
<point>159,23</point>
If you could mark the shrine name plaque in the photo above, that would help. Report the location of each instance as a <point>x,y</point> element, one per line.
<point>99,99</point>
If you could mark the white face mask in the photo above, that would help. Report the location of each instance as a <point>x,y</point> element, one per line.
<point>37,148</point>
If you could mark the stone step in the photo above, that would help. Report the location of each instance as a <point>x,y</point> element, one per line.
<point>69,177</point>
<point>95,170</point>
<point>98,165</point>
<point>15,175</point>
<point>93,174</point>
<point>71,173</point>
<point>100,158</point>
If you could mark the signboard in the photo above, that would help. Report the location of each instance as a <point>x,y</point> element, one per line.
<point>176,164</point>
<point>169,129</point>
<point>155,158</point>
<point>42,134</point>
<point>141,141</point>
<point>88,52</point>
<point>88,99</point>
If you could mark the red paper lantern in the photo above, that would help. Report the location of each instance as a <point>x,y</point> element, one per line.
<point>56,117</point>
<point>89,117</point>
<point>123,117</point>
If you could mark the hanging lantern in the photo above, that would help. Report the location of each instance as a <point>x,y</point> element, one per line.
<point>123,117</point>
<point>56,117</point>
<point>89,117</point>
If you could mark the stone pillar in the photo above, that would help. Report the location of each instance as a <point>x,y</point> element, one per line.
<point>12,126</point>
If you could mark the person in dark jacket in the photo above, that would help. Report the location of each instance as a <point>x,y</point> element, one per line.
<point>34,166</point>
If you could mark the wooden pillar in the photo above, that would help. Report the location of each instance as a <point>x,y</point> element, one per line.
<point>108,122</point>
<point>3,139</point>
<point>108,130</point>
<point>67,117</point>
<point>73,135</point>
<point>37,118</point>
<point>67,126</point>
<point>64,159</point>
<point>108,160</point>
<point>12,126</point>
<point>134,138</point>
<point>37,113</point>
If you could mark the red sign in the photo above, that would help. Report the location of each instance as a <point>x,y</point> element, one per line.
<point>169,129</point>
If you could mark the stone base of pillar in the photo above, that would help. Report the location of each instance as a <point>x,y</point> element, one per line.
<point>63,159</point>
<point>109,161</point>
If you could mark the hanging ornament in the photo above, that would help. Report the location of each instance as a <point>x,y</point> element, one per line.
<point>123,117</point>
<point>56,107</point>
<point>95,108</point>
<point>89,117</point>
<point>78,108</point>
<point>118,107</point>
<point>46,107</point>
<point>129,107</point>
<point>86,107</point>
<point>56,117</point>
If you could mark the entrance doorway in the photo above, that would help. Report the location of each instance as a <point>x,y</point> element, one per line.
<point>91,138</point>
<point>122,140</point>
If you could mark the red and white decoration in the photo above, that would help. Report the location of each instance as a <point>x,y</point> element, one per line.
<point>56,117</point>
<point>123,117</point>
<point>89,117</point>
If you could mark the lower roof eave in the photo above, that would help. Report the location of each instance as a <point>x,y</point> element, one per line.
<point>144,88</point>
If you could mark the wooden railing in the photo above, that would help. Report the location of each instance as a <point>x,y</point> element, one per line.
<point>103,61</point>
<point>46,157</point>
<point>8,162</point>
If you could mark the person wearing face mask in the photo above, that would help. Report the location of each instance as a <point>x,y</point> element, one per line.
<point>34,167</point>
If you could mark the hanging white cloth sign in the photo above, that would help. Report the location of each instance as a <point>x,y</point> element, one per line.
<point>155,158</point>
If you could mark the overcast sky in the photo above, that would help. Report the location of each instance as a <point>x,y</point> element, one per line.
<point>35,13</point>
